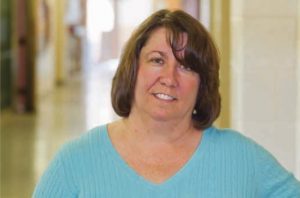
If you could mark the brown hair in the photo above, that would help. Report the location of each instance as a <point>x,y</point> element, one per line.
<point>200,54</point>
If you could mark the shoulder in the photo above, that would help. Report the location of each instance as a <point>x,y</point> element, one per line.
<point>84,145</point>
<point>234,138</point>
<point>238,144</point>
<point>77,157</point>
<point>267,172</point>
<point>70,165</point>
<point>228,137</point>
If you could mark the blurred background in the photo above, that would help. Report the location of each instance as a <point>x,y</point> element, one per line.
<point>58,58</point>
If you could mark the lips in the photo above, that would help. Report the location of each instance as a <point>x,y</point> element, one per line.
<point>165,97</point>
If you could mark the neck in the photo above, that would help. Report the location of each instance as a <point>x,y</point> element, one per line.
<point>165,132</point>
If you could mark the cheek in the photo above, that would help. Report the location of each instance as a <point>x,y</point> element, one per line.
<point>146,78</point>
<point>142,83</point>
<point>190,91</point>
<point>191,85</point>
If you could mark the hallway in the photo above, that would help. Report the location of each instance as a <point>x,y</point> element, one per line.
<point>29,141</point>
<point>259,45</point>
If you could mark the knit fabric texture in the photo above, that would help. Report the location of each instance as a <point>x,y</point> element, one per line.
<point>225,164</point>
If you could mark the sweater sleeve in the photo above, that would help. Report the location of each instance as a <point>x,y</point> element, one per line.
<point>274,181</point>
<point>55,182</point>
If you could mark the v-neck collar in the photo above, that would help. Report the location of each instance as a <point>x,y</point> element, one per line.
<point>198,153</point>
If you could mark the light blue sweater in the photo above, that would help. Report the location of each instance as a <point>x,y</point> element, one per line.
<point>225,165</point>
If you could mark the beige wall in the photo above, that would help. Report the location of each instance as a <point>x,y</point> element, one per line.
<point>220,30</point>
<point>264,75</point>
<point>298,95</point>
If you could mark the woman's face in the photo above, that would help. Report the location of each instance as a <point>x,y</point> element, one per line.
<point>165,90</point>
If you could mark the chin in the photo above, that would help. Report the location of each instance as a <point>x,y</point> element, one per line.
<point>162,116</point>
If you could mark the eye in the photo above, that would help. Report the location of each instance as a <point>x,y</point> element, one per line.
<point>184,68</point>
<point>157,60</point>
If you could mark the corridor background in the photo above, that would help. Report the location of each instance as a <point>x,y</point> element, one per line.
<point>58,58</point>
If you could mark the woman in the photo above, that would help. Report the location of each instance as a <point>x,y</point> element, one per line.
<point>166,91</point>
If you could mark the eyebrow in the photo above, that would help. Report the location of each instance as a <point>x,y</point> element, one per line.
<point>163,54</point>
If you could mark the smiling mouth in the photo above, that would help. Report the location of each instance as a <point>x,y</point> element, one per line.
<point>164,97</point>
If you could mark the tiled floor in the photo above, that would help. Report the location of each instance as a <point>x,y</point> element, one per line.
<point>29,141</point>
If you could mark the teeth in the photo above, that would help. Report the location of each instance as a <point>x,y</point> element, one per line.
<point>164,96</point>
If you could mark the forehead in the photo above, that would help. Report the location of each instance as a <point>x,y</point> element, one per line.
<point>157,38</point>
<point>164,38</point>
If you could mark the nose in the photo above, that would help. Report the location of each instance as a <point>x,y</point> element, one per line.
<point>168,76</point>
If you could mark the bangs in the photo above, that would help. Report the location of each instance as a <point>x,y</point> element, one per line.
<point>183,49</point>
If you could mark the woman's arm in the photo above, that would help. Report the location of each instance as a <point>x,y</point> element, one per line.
<point>274,180</point>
